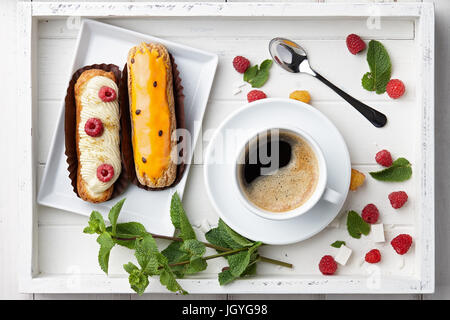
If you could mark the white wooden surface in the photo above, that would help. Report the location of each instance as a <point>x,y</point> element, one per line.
<point>62,249</point>
<point>51,221</point>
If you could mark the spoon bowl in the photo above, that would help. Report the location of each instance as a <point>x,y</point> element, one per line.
<point>290,56</point>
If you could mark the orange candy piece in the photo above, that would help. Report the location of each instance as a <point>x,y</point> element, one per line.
<point>300,95</point>
<point>357,179</point>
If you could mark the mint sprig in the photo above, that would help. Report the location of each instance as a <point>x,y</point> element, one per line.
<point>380,68</point>
<point>356,225</point>
<point>399,171</point>
<point>258,76</point>
<point>240,263</point>
<point>184,255</point>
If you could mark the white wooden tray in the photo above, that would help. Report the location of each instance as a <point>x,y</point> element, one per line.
<point>58,258</point>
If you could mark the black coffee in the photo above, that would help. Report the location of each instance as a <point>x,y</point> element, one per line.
<point>253,170</point>
<point>279,172</point>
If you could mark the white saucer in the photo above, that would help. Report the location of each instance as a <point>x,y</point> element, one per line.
<point>274,113</point>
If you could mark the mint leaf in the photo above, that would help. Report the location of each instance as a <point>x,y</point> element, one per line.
<point>356,225</point>
<point>137,279</point>
<point>194,247</point>
<point>174,254</point>
<point>147,255</point>
<point>130,267</point>
<point>250,73</point>
<point>257,77</point>
<point>368,82</point>
<point>152,263</point>
<point>265,65</point>
<point>195,265</point>
<point>400,170</point>
<point>114,215</point>
<point>214,236</point>
<point>89,230</point>
<point>251,269</point>
<point>233,239</point>
<point>179,218</point>
<point>239,262</point>
<point>262,75</point>
<point>106,244</point>
<point>338,244</point>
<point>128,230</point>
<point>96,223</point>
<point>131,228</point>
<point>189,250</point>
<point>380,68</point>
<point>168,279</point>
<point>225,277</point>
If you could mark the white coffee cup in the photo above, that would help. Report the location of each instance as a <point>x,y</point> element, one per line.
<point>321,192</point>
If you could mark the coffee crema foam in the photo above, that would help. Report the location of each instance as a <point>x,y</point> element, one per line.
<point>290,186</point>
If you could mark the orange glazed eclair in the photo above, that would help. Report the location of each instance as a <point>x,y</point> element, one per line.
<point>152,112</point>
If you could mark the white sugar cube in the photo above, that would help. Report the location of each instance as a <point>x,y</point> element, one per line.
<point>343,254</point>
<point>236,91</point>
<point>239,84</point>
<point>377,232</point>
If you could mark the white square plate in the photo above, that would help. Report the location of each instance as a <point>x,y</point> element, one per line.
<point>103,43</point>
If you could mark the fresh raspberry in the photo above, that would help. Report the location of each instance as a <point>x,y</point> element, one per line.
<point>255,95</point>
<point>107,94</point>
<point>384,158</point>
<point>355,44</point>
<point>398,199</point>
<point>401,243</point>
<point>373,256</point>
<point>327,265</point>
<point>370,213</point>
<point>241,64</point>
<point>105,172</point>
<point>93,127</point>
<point>395,88</point>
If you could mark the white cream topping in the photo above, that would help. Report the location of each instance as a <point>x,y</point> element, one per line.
<point>105,149</point>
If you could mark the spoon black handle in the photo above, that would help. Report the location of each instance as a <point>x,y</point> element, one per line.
<point>377,118</point>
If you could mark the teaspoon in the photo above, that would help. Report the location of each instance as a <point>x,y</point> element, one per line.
<point>291,57</point>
